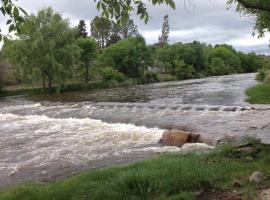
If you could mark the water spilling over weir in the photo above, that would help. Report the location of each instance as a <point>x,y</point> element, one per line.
<point>53,136</point>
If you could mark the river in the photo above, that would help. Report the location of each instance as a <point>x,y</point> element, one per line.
<point>48,137</point>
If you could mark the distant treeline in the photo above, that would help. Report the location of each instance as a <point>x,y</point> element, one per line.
<point>49,52</point>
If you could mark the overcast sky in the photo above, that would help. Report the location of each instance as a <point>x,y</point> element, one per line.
<point>207,21</point>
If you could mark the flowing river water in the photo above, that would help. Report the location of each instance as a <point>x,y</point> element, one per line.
<point>52,136</point>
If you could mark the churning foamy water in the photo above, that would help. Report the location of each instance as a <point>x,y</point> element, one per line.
<point>43,148</point>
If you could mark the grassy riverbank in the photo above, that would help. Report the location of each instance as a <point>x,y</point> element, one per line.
<point>164,177</point>
<point>259,94</point>
<point>30,90</point>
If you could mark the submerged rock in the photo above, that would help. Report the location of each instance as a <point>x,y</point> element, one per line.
<point>178,138</point>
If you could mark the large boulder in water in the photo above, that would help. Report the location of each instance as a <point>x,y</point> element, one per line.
<point>178,138</point>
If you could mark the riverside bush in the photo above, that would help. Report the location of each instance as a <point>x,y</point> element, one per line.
<point>150,77</point>
<point>130,57</point>
<point>109,74</point>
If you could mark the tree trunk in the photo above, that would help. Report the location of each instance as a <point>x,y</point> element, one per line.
<point>50,83</point>
<point>102,39</point>
<point>49,80</point>
<point>86,72</point>
<point>43,80</point>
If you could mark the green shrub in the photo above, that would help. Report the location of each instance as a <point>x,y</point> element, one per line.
<point>166,77</point>
<point>109,74</point>
<point>218,67</point>
<point>267,77</point>
<point>130,57</point>
<point>150,77</point>
<point>185,72</point>
<point>261,75</point>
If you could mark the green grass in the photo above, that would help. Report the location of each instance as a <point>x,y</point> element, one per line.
<point>259,94</point>
<point>164,177</point>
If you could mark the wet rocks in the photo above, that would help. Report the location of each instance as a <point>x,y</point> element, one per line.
<point>256,177</point>
<point>178,138</point>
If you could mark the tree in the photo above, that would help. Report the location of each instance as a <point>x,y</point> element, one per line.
<point>81,28</point>
<point>101,30</point>
<point>260,9</point>
<point>127,30</point>
<point>217,67</point>
<point>88,53</point>
<point>123,31</point>
<point>171,54</point>
<point>130,57</point>
<point>16,17</point>
<point>163,39</point>
<point>120,10</point>
<point>46,49</point>
<point>184,71</point>
<point>230,58</point>
<point>199,58</point>
<point>250,62</point>
<point>1,78</point>
<point>113,39</point>
<point>258,5</point>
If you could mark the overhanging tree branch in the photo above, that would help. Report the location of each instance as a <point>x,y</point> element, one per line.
<point>255,5</point>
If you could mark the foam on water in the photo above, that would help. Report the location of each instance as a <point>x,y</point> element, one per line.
<point>39,143</point>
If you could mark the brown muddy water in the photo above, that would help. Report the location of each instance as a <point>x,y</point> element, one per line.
<point>49,137</point>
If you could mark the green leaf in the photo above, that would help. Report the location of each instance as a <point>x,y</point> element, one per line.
<point>24,12</point>
<point>15,13</point>
<point>11,28</point>
<point>9,21</point>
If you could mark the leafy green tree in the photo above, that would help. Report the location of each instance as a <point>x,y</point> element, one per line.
<point>101,30</point>
<point>169,54</point>
<point>81,29</point>
<point>250,62</point>
<point>199,56</point>
<point>111,75</point>
<point>217,67</point>
<point>88,54</point>
<point>114,39</point>
<point>231,59</point>
<point>183,71</point>
<point>46,49</point>
<point>130,57</point>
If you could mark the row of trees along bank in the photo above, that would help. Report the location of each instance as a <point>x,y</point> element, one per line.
<point>48,51</point>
